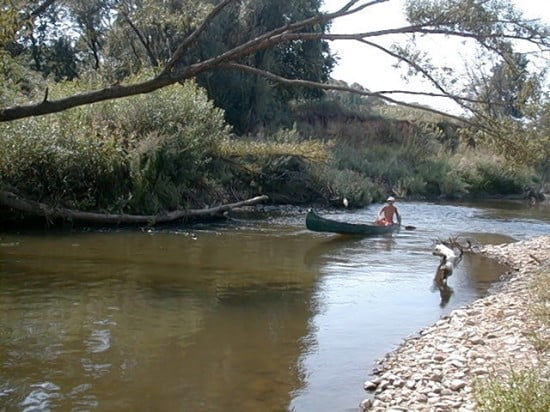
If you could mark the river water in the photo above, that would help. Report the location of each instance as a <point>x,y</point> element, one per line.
<point>249,315</point>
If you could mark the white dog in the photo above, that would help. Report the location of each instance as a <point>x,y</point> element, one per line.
<point>449,260</point>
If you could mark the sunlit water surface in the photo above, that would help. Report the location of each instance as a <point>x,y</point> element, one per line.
<point>248,315</point>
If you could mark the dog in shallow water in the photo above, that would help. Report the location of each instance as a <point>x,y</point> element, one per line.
<point>449,260</point>
<point>450,251</point>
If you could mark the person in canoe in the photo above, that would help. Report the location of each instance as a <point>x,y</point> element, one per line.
<point>386,214</point>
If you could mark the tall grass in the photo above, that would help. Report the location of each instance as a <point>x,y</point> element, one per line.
<point>524,390</point>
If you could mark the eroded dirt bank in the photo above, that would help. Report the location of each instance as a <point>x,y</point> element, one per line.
<point>435,370</point>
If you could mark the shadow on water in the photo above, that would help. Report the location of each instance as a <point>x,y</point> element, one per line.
<point>330,245</point>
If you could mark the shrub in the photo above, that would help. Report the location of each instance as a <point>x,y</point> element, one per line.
<point>340,184</point>
<point>142,154</point>
<point>525,391</point>
<point>47,162</point>
<point>493,175</point>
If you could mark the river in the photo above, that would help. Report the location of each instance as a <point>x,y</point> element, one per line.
<point>248,315</point>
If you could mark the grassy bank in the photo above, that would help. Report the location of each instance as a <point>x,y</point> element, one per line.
<point>524,390</point>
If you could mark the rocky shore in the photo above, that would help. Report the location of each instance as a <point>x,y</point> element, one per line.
<point>436,369</point>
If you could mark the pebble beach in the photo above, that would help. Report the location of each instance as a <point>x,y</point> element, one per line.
<point>436,369</point>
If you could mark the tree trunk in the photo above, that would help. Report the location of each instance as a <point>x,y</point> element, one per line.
<point>13,201</point>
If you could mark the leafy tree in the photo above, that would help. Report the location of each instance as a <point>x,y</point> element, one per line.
<point>145,33</point>
<point>253,101</point>
<point>198,50</point>
<point>509,88</point>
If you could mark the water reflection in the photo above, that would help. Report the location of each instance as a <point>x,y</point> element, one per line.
<point>213,323</point>
<point>445,292</point>
<point>326,246</point>
<point>332,245</point>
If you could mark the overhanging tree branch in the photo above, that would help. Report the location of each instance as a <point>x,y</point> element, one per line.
<point>182,48</point>
<point>486,125</point>
<point>168,76</point>
<point>325,86</point>
<point>294,31</point>
<point>41,8</point>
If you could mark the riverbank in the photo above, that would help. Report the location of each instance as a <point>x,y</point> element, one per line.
<point>437,369</point>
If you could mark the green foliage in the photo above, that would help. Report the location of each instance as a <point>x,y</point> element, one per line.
<point>496,177</point>
<point>59,60</point>
<point>51,161</point>
<point>524,391</point>
<point>144,154</point>
<point>314,151</point>
<point>8,22</point>
<point>414,185</point>
<point>509,87</point>
<point>419,166</point>
<point>251,102</point>
<point>338,184</point>
<point>145,33</point>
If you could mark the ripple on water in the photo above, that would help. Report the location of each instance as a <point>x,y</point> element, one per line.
<point>99,341</point>
<point>41,396</point>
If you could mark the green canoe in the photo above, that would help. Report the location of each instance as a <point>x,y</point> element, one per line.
<point>320,224</point>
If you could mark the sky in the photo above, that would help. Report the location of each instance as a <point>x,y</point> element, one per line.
<point>374,69</point>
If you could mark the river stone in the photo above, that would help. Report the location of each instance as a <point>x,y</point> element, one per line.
<point>446,392</point>
<point>439,357</point>
<point>383,385</point>
<point>366,404</point>
<point>420,397</point>
<point>456,363</point>
<point>398,383</point>
<point>476,340</point>
<point>410,384</point>
<point>437,375</point>
<point>369,386</point>
<point>456,384</point>
<point>385,397</point>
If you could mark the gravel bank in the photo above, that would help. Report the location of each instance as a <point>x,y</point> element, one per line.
<point>435,370</point>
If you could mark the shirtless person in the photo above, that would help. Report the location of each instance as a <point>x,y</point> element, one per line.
<point>385,215</point>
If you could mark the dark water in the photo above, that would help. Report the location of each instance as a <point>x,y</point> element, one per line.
<point>248,316</point>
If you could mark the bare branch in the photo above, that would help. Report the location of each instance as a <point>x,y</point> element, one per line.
<point>416,66</point>
<point>325,86</point>
<point>348,8</point>
<point>267,40</point>
<point>284,34</point>
<point>429,94</point>
<point>509,36</point>
<point>54,106</point>
<point>41,8</point>
<point>32,207</point>
<point>415,29</point>
<point>178,54</point>
<point>142,40</point>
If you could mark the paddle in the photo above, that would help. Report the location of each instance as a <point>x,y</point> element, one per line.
<point>407,227</point>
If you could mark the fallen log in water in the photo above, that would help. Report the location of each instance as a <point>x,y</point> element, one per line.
<point>32,207</point>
